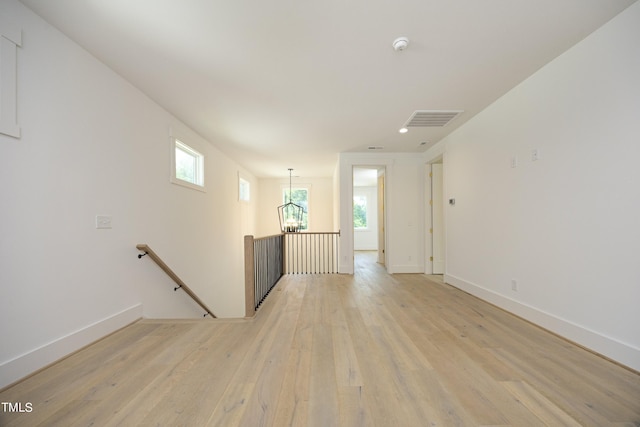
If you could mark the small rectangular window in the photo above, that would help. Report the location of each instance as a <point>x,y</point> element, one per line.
<point>244,189</point>
<point>188,166</point>
<point>10,40</point>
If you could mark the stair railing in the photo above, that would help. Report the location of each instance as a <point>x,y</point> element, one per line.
<point>311,252</point>
<point>263,267</point>
<point>181,285</point>
<point>267,259</point>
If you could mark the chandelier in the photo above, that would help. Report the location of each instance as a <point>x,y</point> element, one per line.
<point>290,214</point>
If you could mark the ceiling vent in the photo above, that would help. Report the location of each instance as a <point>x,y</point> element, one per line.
<point>432,118</point>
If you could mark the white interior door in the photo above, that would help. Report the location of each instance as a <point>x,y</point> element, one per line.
<point>437,219</point>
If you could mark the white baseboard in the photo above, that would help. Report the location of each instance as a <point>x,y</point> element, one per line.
<point>620,352</point>
<point>405,269</point>
<point>27,363</point>
<point>345,268</point>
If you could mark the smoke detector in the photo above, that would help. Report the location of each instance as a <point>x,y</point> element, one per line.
<point>400,44</point>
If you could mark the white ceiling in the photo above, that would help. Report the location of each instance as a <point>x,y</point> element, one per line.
<point>291,83</point>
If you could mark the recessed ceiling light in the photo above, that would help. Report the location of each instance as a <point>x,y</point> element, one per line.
<point>403,130</point>
<point>372,147</point>
<point>423,143</point>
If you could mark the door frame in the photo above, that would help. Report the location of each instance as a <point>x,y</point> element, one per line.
<point>429,223</point>
<point>345,203</point>
<point>380,205</point>
<point>382,253</point>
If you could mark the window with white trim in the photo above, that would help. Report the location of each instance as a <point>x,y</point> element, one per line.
<point>10,39</point>
<point>300,197</point>
<point>244,189</point>
<point>187,166</point>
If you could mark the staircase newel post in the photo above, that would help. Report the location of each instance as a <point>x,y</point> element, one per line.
<point>249,277</point>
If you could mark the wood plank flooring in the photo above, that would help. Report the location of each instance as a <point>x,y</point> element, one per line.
<point>335,350</point>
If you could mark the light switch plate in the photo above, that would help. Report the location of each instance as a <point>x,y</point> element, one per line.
<point>103,221</point>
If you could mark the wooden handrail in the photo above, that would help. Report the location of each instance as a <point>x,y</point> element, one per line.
<point>315,232</point>
<point>147,251</point>
<point>267,237</point>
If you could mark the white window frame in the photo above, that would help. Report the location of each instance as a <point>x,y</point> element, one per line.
<point>244,189</point>
<point>284,187</point>
<point>367,215</point>
<point>199,184</point>
<point>10,40</point>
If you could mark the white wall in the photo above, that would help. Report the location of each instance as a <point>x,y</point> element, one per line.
<point>405,195</point>
<point>366,239</point>
<point>92,144</point>
<point>320,203</point>
<point>335,197</point>
<point>565,227</point>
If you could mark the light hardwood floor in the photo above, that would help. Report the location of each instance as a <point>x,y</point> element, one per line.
<point>335,350</point>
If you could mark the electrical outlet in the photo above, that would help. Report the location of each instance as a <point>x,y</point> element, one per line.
<point>103,221</point>
<point>514,161</point>
<point>514,285</point>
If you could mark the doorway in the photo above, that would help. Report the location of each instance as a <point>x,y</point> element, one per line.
<point>369,211</point>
